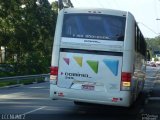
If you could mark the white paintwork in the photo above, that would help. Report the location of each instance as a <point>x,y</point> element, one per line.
<point>104,79</point>
<point>102,93</point>
<point>91,44</point>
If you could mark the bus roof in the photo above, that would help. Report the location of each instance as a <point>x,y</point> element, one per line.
<point>95,11</point>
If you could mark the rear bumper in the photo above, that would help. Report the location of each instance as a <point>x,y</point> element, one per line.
<point>97,97</point>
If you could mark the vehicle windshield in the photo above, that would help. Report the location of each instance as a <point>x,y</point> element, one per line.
<point>94,26</point>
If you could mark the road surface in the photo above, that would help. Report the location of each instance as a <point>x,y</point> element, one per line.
<point>32,102</point>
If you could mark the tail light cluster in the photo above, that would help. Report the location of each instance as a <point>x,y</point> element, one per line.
<point>53,74</point>
<point>125,81</point>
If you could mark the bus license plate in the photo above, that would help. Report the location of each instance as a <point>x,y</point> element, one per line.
<point>87,87</point>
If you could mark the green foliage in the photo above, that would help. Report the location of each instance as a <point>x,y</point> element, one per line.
<point>27,31</point>
<point>6,74</point>
<point>24,82</point>
<point>156,59</point>
<point>153,45</point>
<point>7,83</point>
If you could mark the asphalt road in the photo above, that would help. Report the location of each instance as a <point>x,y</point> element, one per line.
<point>32,102</point>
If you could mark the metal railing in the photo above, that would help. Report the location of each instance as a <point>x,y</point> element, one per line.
<point>26,77</point>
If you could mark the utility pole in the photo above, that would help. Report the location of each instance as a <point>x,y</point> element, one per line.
<point>64,4</point>
<point>158,19</point>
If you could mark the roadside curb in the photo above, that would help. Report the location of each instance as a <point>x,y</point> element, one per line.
<point>11,86</point>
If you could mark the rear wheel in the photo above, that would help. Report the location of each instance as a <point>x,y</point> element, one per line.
<point>140,100</point>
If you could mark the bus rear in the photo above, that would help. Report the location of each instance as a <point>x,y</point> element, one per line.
<point>87,59</point>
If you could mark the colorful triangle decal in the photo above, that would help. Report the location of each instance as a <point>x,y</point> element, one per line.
<point>112,65</point>
<point>66,60</point>
<point>78,60</point>
<point>93,64</point>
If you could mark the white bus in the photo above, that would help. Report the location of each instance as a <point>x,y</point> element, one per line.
<point>98,57</point>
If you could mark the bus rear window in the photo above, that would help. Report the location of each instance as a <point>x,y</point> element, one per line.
<point>94,26</point>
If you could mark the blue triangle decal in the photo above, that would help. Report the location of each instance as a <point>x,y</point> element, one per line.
<point>112,65</point>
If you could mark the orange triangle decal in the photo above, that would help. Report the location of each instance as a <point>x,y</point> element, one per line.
<point>78,60</point>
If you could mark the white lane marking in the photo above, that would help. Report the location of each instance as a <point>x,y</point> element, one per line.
<point>21,95</point>
<point>33,110</point>
<point>154,98</point>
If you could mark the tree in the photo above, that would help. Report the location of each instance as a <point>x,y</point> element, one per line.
<point>153,44</point>
<point>27,31</point>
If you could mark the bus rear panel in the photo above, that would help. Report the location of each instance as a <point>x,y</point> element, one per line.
<point>88,58</point>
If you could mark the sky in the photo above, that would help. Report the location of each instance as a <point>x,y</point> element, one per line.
<point>145,12</point>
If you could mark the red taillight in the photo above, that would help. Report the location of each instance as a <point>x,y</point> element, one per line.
<point>126,81</point>
<point>126,77</point>
<point>53,70</point>
<point>53,75</point>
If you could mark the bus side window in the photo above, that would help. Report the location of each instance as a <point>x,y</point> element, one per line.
<point>136,38</point>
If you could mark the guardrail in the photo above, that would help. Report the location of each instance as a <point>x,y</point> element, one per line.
<point>26,77</point>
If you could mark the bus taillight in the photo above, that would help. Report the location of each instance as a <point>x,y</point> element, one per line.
<point>53,74</point>
<point>125,81</point>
